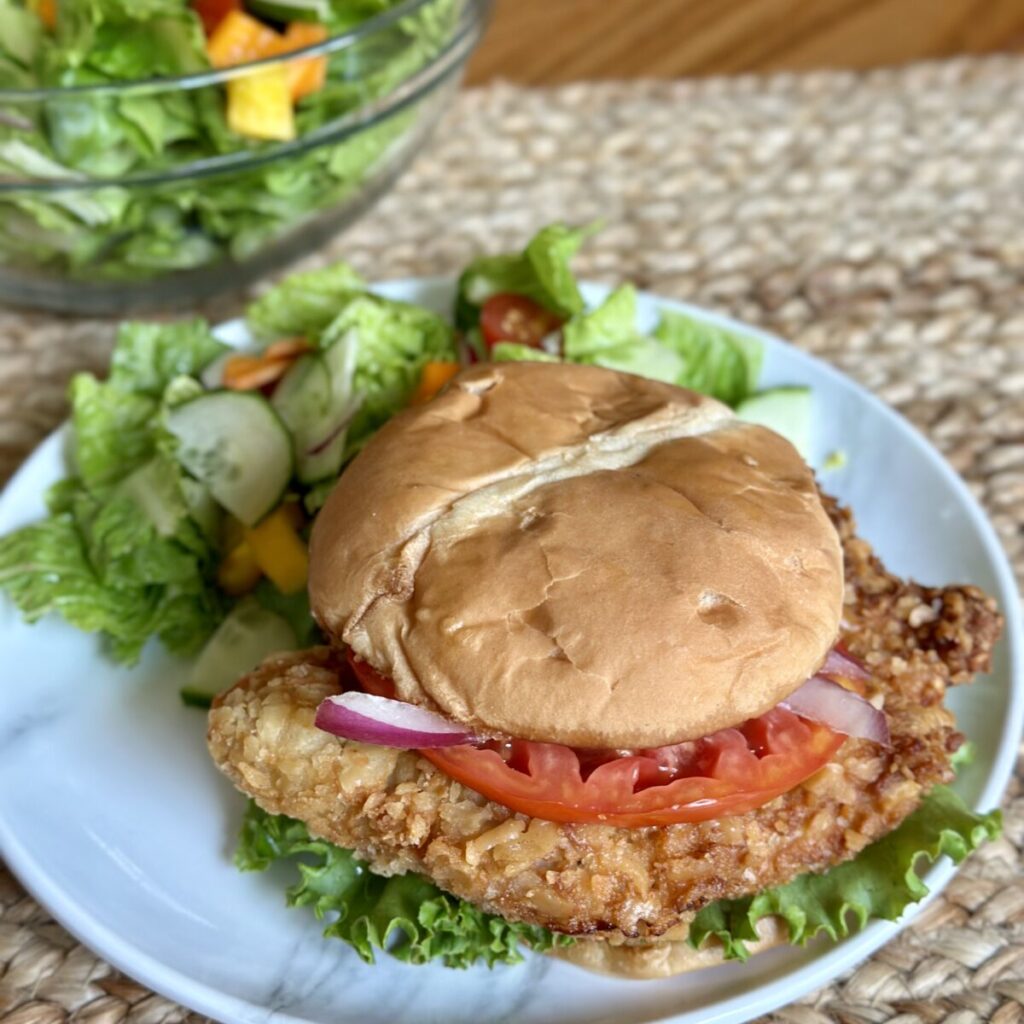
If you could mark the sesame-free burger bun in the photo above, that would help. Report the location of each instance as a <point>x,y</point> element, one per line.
<point>570,554</point>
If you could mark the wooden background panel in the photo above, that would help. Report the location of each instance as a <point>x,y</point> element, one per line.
<point>553,41</point>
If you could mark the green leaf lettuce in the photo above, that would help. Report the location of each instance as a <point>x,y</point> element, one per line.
<point>405,915</point>
<point>880,882</point>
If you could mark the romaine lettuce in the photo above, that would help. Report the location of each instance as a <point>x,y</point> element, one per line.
<point>394,340</point>
<point>540,272</point>
<point>130,547</point>
<point>303,304</point>
<point>715,361</point>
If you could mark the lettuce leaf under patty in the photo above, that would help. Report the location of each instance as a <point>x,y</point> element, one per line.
<point>406,915</point>
<point>415,921</point>
<point>880,882</point>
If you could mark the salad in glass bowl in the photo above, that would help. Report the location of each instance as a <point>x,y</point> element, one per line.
<point>165,150</point>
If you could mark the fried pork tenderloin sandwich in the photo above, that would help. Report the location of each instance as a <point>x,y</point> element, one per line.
<point>595,664</point>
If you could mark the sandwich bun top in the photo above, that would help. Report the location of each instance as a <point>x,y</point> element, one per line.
<point>569,554</point>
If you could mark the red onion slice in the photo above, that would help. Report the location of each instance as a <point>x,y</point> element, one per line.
<point>333,434</point>
<point>839,663</point>
<point>388,723</point>
<point>840,709</point>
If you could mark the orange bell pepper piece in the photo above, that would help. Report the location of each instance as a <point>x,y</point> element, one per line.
<point>308,74</point>
<point>239,38</point>
<point>433,378</point>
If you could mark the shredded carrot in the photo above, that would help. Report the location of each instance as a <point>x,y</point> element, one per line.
<point>247,373</point>
<point>433,378</point>
<point>47,11</point>
<point>289,348</point>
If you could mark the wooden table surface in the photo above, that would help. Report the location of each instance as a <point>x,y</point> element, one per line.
<point>551,41</point>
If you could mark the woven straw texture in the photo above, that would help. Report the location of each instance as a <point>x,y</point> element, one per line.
<point>875,220</point>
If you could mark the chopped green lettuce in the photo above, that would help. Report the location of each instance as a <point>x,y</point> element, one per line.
<point>879,882</point>
<point>511,352</point>
<point>130,546</point>
<point>681,350</point>
<point>123,565</point>
<point>393,342</point>
<point>609,337</point>
<point>715,361</point>
<point>304,304</point>
<point>111,431</point>
<point>148,356</point>
<point>540,272</point>
<point>406,915</point>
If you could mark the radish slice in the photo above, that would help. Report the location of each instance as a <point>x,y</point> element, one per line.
<point>840,709</point>
<point>839,663</point>
<point>388,723</point>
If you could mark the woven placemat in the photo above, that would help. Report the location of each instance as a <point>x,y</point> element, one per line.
<point>876,220</point>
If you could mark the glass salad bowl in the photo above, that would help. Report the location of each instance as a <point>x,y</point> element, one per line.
<point>168,165</point>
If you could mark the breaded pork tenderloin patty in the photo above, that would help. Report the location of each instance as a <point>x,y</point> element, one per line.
<point>402,814</point>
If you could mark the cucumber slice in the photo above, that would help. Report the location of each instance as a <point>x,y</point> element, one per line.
<point>304,400</point>
<point>787,411</point>
<point>242,641</point>
<point>325,456</point>
<point>236,444</point>
<point>316,402</point>
<point>291,10</point>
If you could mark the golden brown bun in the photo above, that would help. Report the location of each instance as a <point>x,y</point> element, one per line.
<point>663,958</point>
<point>571,554</point>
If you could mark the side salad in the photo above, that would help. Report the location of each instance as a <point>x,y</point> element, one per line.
<point>196,468</point>
<point>88,128</point>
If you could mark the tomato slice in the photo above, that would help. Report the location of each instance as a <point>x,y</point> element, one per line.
<point>728,772</point>
<point>507,317</point>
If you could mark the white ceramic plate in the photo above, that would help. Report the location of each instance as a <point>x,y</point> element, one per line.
<point>114,818</point>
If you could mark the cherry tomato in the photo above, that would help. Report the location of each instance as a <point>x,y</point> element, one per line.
<point>515,318</point>
<point>212,12</point>
<point>729,772</point>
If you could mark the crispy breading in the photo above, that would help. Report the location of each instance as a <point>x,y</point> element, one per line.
<point>402,814</point>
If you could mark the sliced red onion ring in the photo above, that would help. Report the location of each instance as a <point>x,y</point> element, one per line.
<point>388,723</point>
<point>839,663</point>
<point>840,709</point>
